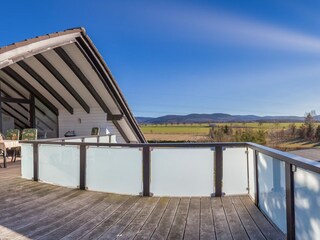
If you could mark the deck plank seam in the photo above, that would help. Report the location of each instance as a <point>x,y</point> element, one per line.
<point>43,212</point>
<point>5,233</point>
<point>136,214</point>
<point>121,217</point>
<point>146,219</point>
<point>133,219</point>
<point>100,206</point>
<point>47,227</point>
<point>31,196</point>
<point>174,217</point>
<point>175,213</point>
<point>213,220</point>
<point>211,214</point>
<point>7,213</point>
<point>118,204</point>
<point>140,219</point>
<point>240,205</point>
<point>240,219</point>
<point>153,209</point>
<point>199,220</point>
<point>166,210</point>
<point>162,214</point>
<point>268,236</point>
<point>85,205</point>
<point>155,226</point>
<point>131,198</point>
<point>226,216</point>
<point>253,219</point>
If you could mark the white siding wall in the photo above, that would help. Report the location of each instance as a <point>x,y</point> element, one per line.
<point>96,118</point>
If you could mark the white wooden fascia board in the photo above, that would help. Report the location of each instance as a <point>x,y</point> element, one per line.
<point>31,49</point>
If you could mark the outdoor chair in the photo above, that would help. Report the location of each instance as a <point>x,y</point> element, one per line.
<point>29,134</point>
<point>95,131</point>
<point>13,134</point>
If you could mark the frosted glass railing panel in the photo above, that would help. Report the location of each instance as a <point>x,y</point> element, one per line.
<point>59,165</point>
<point>27,160</point>
<point>307,204</point>
<point>113,139</point>
<point>235,171</point>
<point>104,139</point>
<point>251,173</point>
<point>182,172</point>
<point>114,170</point>
<point>272,197</point>
<point>73,140</point>
<point>91,140</point>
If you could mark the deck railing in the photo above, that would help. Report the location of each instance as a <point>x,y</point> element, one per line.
<point>284,186</point>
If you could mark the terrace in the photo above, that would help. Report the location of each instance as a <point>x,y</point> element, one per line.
<point>92,187</point>
<point>142,191</point>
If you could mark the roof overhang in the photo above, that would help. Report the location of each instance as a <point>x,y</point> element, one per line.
<point>66,71</point>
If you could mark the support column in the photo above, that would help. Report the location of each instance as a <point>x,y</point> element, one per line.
<point>256,176</point>
<point>32,112</point>
<point>218,169</point>
<point>35,162</point>
<point>289,170</point>
<point>146,171</point>
<point>83,163</point>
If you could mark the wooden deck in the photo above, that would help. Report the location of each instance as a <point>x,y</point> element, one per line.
<point>31,210</point>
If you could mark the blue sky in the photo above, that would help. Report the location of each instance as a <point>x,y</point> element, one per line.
<point>180,57</point>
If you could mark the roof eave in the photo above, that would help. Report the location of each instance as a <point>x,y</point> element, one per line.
<point>119,95</point>
<point>21,51</point>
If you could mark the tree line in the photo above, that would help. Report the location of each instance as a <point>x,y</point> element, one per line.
<point>308,131</point>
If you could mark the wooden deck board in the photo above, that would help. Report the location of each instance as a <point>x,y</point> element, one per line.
<point>83,206</point>
<point>193,220</point>
<point>132,229</point>
<point>79,220</point>
<point>152,222</point>
<point>48,219</point>
<point>265,226</point>
<point>116,230</point>
<point>206,220</point>
<point>115,203</point>
<point>179,223</point>
<point>113,219</point>
<point>166,221</point>
<point>220,220</point>
<point>31,210</point>
<point>248,223</point>
<point>235,224</point>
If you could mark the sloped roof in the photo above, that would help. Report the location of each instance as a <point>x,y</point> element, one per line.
<point>66,71</point>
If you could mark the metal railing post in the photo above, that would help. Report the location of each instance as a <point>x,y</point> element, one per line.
<point>146,170</point>
<point>289,176</point>
<point>256,177</point>
<point>218,169</point>
<point>83,160</point>
<point>35,162</point>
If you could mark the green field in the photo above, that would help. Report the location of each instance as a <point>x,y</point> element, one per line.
<point>204,128</point>
<point>176,129</point>
<point>274,136</point>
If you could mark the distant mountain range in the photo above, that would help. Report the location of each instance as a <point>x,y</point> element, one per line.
<point>218,118</point>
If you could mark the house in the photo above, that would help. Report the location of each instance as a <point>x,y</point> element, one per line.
<point>58,83</point>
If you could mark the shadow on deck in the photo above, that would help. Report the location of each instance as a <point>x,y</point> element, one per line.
<point>32,210</point>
